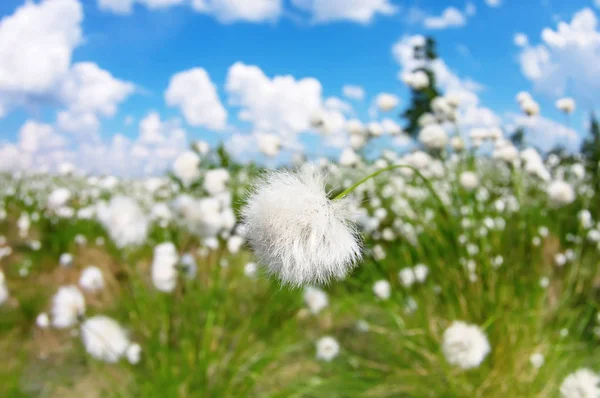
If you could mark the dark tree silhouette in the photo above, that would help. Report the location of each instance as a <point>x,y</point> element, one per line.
<point>421,99</point>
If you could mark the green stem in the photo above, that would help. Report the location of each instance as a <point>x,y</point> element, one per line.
<point>425,180</point>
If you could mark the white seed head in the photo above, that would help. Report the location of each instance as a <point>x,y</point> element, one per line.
<point>91,279</point>
<point>464,345</point>
<point>327,348</point>
<point>583,383</point>
<point>297,231</point>
<point>315,299</point>
<point>382,289</point>
<point>67,305</point>
<point>104,339</point>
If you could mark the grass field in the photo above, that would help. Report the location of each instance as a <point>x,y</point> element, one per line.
<point>504,254</point>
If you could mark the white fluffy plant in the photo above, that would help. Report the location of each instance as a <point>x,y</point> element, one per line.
<point>298,232</point>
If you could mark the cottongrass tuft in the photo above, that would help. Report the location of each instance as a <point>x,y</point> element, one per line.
<point>327,348</point>
<point>104,339</point>
<point>583,383</point>
<point>301,235</point>
<point>68,305</point>
<point>465,345</point>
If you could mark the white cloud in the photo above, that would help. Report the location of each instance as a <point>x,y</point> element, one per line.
<point>567,58</point>
<point>41,148</point>
<point>361,11</point>
<point>493,3</point>
<point>353,92</point>
<point>196,95</point>
<point>451,18</point>
<point>521,39</point>
<point>470,9</point>
<point>34,137</point>
<point>228,11</point>
<point>546,134</point>
<point>88,88</point>
<point>89,91</point>
<point>151,129</point>
<point>36,44</point>
<point>280,105</point>
<point>125,7</point>
<point>76,122</point>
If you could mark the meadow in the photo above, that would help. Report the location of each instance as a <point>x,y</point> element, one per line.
<point>479,277</point>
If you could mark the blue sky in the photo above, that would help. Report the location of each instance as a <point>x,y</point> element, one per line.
<point>142,45</point>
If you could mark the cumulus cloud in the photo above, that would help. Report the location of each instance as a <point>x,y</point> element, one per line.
<point>125,7</point>
<point>360,11</point>
<point>88,91</point>
<point>544,133</point>
<point>451,18</point>
<point>36,45</point>
<point>281,105</point>
<point>493,3</point>
<point>41,148</point>
<point>353,92</point>
<point>521,40</point>
<point>196,95</point>
<point>567,58</point>
<point>35,137</point>
<point>229,11</point>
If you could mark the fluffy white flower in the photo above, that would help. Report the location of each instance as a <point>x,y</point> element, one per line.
<point>382,289</point>
<point>355,127</point>
<point>104,339</point>
<point>584,383</point>
<point>407,277</point>
<point>297,231</point>
<point>585,219</point>
<point>327,348</point>
<point>164,267</point>
<point>566,105</point>
<point>68,305</point>
<point>357,141</point>
<point>133,353</point>
<point>469,180</point>
<point>457,144</point>
<point>91,279</point>
<point>234,244</point>
<point>315,299</point>
<point>250,270</point>
<point>536,360</point>
<point>42,321</point>
<point>58,198</point>
<point>124,220</point>
<point>215,181</point>
<point>269,144</point>
<point>375,129</point>
<point>349,158</point>
<point>421,271</point>
<point>560,193</point>
<point>187,167</point>
<point>66,260</point>
<point>417,80</point>
<point>202,147</point>
<point>386,102</point>
<point>433,136</point>
<point>464,345</point>
<point>3,288</point>
<point>204,217</point>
